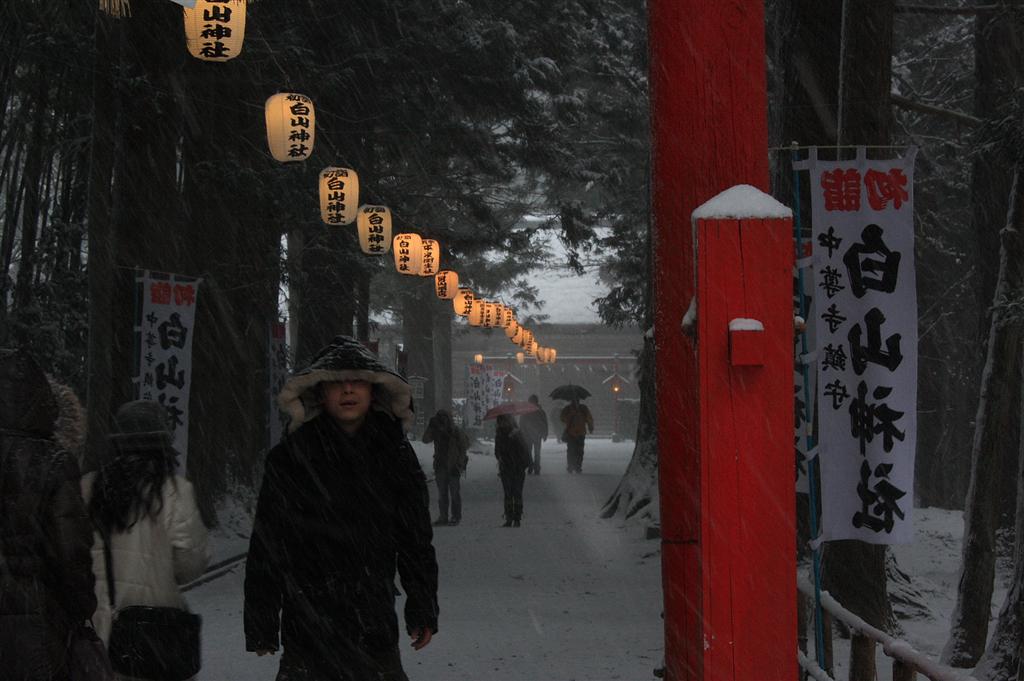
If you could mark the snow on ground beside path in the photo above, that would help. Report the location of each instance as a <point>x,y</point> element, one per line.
<point>566,596</point>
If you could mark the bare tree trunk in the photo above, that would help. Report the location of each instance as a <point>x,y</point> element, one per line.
<point>101,242</point>
<point>999,384</point>
<point>1005,654</point>
<point>442,355</point>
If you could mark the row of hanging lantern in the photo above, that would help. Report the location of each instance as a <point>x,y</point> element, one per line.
<point>215,31</point>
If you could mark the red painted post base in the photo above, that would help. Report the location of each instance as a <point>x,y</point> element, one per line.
<point>734,581</point>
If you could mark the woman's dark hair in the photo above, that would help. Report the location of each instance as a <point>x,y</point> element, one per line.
<point>129,486</point>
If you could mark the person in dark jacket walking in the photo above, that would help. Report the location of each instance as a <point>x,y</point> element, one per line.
<point>513,454</point>
<point>343,504</point>
<point>46,580</point>
<point>535,429</point>
<point>578,422</point>
<point>450,446</point>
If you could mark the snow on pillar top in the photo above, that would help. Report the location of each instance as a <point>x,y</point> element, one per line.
<point>741,201</point>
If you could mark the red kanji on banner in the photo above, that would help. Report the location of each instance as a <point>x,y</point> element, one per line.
<point>886,187</point>
<point>842,189</point>
<point>184,295</point>
<point>160,293</point>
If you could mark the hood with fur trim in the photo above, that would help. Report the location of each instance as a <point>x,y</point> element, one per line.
<point>345,359</point>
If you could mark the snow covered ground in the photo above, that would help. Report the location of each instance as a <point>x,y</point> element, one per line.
<point>568,595</point>
<point>565,596</point>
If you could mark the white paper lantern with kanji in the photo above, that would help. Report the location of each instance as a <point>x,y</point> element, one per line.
<point>339,196</point>
<point>462,303</point>
<point>490,315</point>
<point>476,313</point>
<point>408,253</point>
<point>430,258</point>
<point>531,348</point>
<point>520,357</point>
<point>446,284</point>
<point>502,314</point>
<point>478,358</point>
<point>215,31</point>
<point>511,329</point>
<point>374,226</point>
<point>291,126</point>
<point>517,337</point>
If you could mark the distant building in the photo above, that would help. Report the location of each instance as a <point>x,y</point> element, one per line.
<point>601,359</point>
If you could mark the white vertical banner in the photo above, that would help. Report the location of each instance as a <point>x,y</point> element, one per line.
<point>496,386</point>
<point>277,373</point>
<point>866,319</point>
<point>485,387</point>
<point>476,395</point>
<point>165,320</point>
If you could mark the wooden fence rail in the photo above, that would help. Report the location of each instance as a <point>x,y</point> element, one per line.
<point>907,663</point>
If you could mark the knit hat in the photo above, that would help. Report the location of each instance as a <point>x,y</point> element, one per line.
<point>142,425</point>
<point>345,359</point>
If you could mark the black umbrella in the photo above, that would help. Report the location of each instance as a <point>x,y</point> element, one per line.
<point>570,392</point>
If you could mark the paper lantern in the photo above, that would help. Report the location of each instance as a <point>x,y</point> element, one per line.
<point>520,357</point>
<point>478,358</point>
<point>553,356</point>
<point>291,126</point>
<point>531,348</point>
<point>430,258</point>
<point>374,225</point>
<point>511,329</point>
<point>408,255</point>
<point>462,303</point>
<point>490,315</point>
<point>446,284</point>
<point>517,337</point>
<point>476,313</point>
<point>339,196</point>
<point>541,355</point>
<point>215,31</point>
<point>503,313</point>
<point>510,320</point>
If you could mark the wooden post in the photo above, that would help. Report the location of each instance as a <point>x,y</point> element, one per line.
<point>902,671</point>
<point>728,554</point>
<point>862,658</point>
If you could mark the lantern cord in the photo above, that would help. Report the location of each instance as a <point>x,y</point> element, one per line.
<point>812,485</point>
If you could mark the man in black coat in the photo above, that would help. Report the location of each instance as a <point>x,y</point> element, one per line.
<point>343,505</point>
<point>46,580</point>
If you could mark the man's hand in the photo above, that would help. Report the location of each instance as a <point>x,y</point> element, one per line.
<point>420,638</point>
<point>266,651</point>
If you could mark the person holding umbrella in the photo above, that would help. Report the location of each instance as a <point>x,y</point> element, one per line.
<point>578,422</point>
<point>513,455</point>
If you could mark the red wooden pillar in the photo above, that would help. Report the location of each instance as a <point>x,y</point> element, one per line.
<point>726,508</point>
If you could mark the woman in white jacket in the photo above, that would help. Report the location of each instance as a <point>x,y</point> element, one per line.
<point>157,537</point>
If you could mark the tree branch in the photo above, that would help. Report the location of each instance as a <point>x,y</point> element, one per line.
<point>959,116</point>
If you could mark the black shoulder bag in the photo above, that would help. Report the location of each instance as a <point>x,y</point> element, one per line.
<point>152,642</point>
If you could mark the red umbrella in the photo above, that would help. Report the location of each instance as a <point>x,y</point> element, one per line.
<point>511,409</point>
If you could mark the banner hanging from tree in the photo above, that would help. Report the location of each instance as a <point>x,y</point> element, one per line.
<point>485,387</point>
<point>866,327</point>
<point>165,313</point>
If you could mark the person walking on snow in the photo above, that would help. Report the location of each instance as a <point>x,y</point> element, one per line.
<point>146,514</point>
<point>343,505</point>
<point>46,580</point>
<point>513,454</point>
<point>450,459</point>
<point>535,429</point>
<point>578,422</point>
